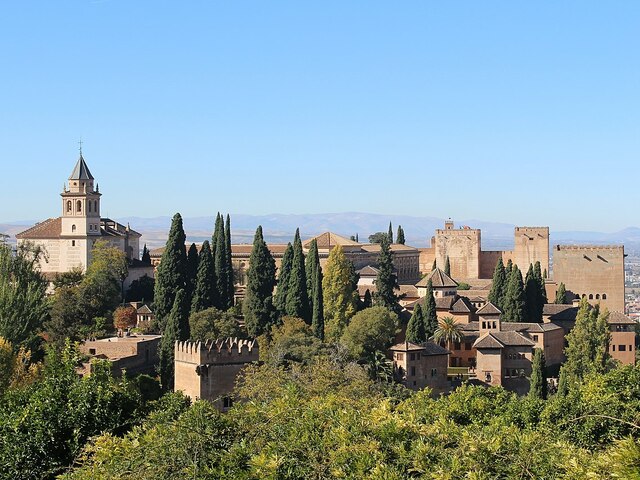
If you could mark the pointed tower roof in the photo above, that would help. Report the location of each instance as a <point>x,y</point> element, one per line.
<point>439,279</point>
<point>81,171</point>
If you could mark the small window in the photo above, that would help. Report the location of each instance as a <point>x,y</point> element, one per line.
<point>604,296</point>
<point>622,348</point>
<point>413,372</point>
<point>591,296</point>
<point>434,372</point>
<point>613,348</point>
<point>494,324</point>
<point>597,296</point>
<point>73,243</point>
<point>95,206</point>
<point>89,207</point>
<point>92,351</point>
<point>73,228</point>
<point>68,205</point>
<point>78,206</point>
<point>227,402</point>
<point>456,345</point>
<point>399,356</point>
<point>468,346</point>
<point>534,338</point>
<point>484,325</point>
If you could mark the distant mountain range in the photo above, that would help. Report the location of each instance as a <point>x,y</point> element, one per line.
<point>279,228</point>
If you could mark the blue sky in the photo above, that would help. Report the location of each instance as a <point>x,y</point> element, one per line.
<point>518,112</point>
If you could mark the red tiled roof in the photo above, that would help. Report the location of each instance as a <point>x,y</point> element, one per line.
<point>50,228</point>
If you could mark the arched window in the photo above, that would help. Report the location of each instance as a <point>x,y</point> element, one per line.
<point>73,228</point>
<point>604,296</point>
<point>584,295</point>
<point>591,296</point>
<point>95,206</point>
<point>68,205</point>
<point>89,207</point>
<point>78,206</point>
<point>597,296</point>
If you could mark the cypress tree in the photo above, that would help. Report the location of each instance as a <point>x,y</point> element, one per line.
<point>214,238</point>
<point>220,262</point>
<point>498,285</point>
<point>561,294</point>
<point>312,262</point>
<point>203,295</point>
<point>400,235</point>
<point>297,303</point>
<point>563,382</point>
<point>367,301</point>
<point>434,266</point>
<point>430,313</point>
<point>390,234</point>
<point>515,298</point>
<point>171,274</point>
<point>542,291</point>
<point>229,263</point>
<point>177,329</point>
<point>146,258</point>
<point>192,270</point>
<point>257,307</point>
<point>317,317</point>
<point>280,298</point>
<point>507,270</point>
<point>447,266</point>
<point>357,238</point>
<point>416,326</point>
<point>386,281</point>
<point>532,297</point>
<point>538,382</point>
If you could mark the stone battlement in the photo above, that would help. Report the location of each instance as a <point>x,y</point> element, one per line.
<point>219,351</point>
<point>590,247</point>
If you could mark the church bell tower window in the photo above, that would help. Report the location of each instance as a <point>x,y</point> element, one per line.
<point>79,206</point>
<point>69,206</point>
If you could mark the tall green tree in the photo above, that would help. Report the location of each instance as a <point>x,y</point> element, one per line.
<point>538,381</point>
<point>370,330</point>
<point>222,272</point>
<point>146,257</point>
<point>280,298</point>
<point>416,327</point>
<point>435,265</point>
<point>339,297</point>
<point>447,266</point>
<point>400,236</point>
<point>515,299</point>
<point>317,314</point>
<point>177,329</point>
<point>171,274</point>
<point>430,313</point>
<point>561,294</point>
<point>229,262</point>
<point>297,304</point>
<point>311,263</point>
<point>367,301</point>
<point>499,285</point>
<point>587,343</point>
<point>386,280</point>
<point>533,312</point>
<point>390,233</point>
<point>204,292</point>
<point>192,269</point>
<point>218,225</point>
<point>259,313</point>
<point>542,291</point>
<point>507,269</point>
<point>23,303</point>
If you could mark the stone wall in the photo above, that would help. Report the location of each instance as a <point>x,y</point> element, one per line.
<point>593,272</point>
<point>462,247</point>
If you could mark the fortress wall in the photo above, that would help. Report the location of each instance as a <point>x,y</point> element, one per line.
<point>592,271</point>
<point>488,261</point>
<point>462,246</point>
<point>531,244</point>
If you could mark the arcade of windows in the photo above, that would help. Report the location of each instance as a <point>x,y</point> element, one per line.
<point>91,206</point>
<point>591,296</point>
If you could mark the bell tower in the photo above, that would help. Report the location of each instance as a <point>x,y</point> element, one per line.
<point>80,203</point>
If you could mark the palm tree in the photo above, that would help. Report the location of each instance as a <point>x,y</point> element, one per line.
<point>448,331</point>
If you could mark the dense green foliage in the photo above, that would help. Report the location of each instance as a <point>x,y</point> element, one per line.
<point>538,381</point>
<point>293,341</point>
<point>498,285</point>
<point>339,295</point>
<point>211,324</point>
<point>326,419</point>
<point>429,311</point>
<point>561,294</point>
<point>448,331</point>
<point>280,298</point>
<point>171,274</point>
<point>297,302</point>
<point>369,331</point>
<point>400,235</point>
<point>177,329</point>
<point>23,305</point>
<point>204,294</point>
<point>386,281</point>
<point>514,302</point>
<point>141,290</point>
<point>259,313</point>
<point>416,332</point>
<point>378,237</point>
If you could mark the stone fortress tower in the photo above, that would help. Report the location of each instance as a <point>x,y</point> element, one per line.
<point>208,370</point>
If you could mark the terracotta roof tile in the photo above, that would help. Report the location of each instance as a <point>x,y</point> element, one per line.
<point>489,309</point>
<point>50,228</point>
<point>439,279</point>
<point>618,318</point>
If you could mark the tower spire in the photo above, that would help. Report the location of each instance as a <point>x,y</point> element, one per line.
<point>80,143</point>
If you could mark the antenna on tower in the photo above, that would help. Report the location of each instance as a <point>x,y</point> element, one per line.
<point>80,143</point>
